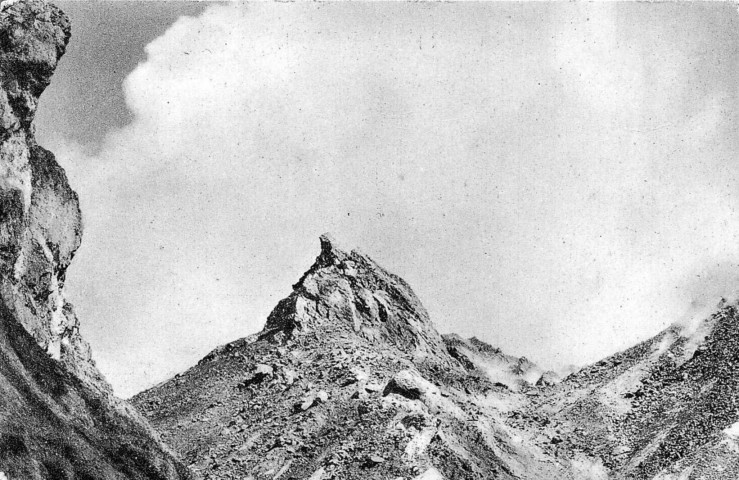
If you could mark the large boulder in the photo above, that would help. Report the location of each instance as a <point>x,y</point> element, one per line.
<point>409,384</point>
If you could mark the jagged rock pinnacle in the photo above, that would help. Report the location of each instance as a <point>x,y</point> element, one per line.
<point>349,292</point>
<point>331,251</point>
<point>328,244</point>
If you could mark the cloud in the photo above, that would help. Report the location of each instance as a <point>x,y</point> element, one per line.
<point>493,167</point>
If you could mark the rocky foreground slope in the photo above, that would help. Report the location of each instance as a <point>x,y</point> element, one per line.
<point>58,417</point>
<point>667,408</point>
<point>350,380</point>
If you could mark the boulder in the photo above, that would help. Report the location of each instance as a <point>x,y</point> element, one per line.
<point>409,384</point>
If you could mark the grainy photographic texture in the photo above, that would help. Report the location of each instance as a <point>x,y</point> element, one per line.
<point>555,183</point>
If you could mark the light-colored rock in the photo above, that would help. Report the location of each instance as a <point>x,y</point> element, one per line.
<point>262,369</point>
<point>409,384</point>
<point>318,474</point>
<point>430,474</point>
<point>420,441</point>
<point>290,376</point>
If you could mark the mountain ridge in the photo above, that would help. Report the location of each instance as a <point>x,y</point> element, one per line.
<point>333,388</point>
<point>348,379</point>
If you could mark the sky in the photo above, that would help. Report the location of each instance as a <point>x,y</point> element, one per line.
<point>559,180</point>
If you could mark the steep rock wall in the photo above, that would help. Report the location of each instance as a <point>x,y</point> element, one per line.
<point>58,416</point>
<point>40,219</point>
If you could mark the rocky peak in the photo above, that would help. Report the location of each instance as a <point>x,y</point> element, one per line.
<point>349,292</point>
<point>350,380</point>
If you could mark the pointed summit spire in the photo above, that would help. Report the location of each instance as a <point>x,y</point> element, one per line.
<point>346,291</point>
<point>328,242</point>
<point>331,251</point>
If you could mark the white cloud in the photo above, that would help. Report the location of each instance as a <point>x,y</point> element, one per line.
<point>506,184</point>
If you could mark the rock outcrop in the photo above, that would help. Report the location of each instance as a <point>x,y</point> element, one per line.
<point>58,416</point>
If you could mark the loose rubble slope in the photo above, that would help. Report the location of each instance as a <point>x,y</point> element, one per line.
<point>349,380</point>
<point>58,416</point>
<point>516,373</point>
<point>662,409</point>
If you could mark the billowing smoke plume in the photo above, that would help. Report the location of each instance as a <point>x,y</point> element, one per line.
<point>546,177</point>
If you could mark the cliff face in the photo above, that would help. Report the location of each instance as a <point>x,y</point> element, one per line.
<point>40,220</point>
<point>58,417</point>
